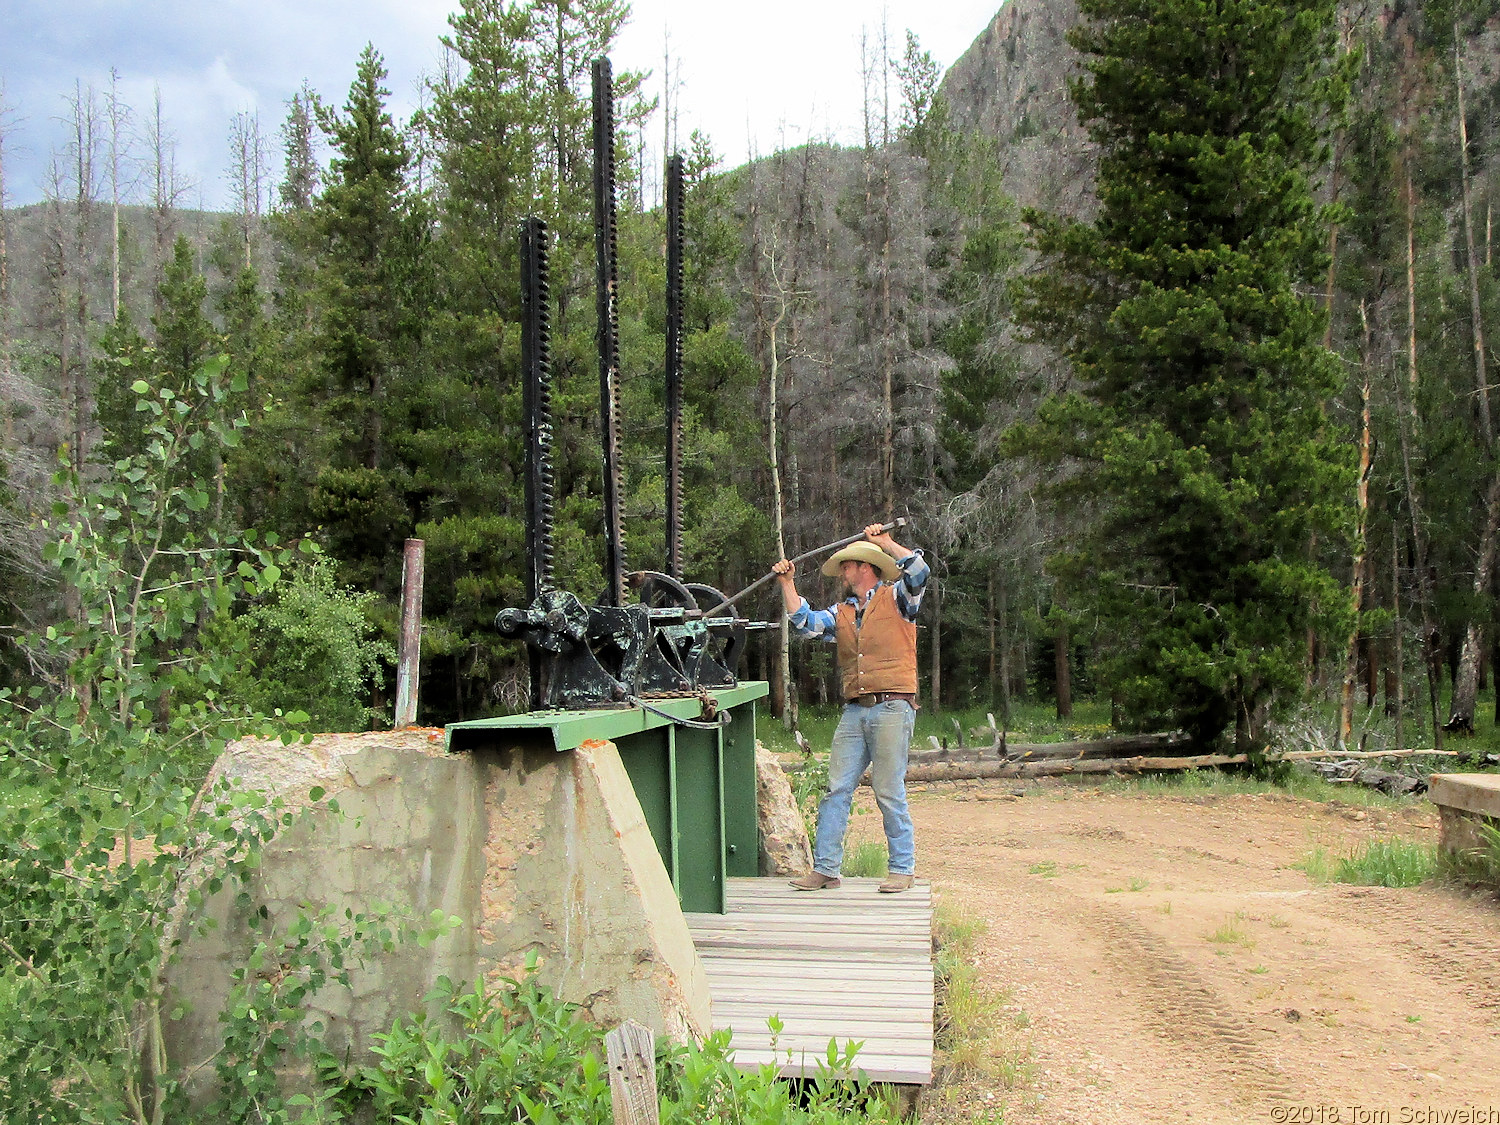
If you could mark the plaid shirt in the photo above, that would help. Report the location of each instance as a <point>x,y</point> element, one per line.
<point>809,622</point>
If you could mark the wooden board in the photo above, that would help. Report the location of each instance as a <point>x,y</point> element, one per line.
<point>849,964</point>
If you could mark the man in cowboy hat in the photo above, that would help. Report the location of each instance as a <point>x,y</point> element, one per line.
<point>874,628</point>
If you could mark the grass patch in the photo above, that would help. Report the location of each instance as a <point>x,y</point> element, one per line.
<point>1380,863</point>
<point>1478,865</point>
<point>865,860</point>
<point>1047,869</point>
<point>1318,865</point>
<point>1233,932</point>
<point>971,1032</point>
<point>1389,863</point>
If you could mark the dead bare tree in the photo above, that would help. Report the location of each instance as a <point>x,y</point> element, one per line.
<point>75,235</point>
<point>247,174</point>
<point>118,115</point>
<point>1466,682</point>
<point>1361,544</point>
<point>168,186</point>
<point>7,124</point>
<point>775,301</point>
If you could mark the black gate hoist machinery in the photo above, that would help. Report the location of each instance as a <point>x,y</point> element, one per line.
<point>675,638</point>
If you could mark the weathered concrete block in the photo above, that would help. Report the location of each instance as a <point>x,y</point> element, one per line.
<point>784,847</point>
<point>532,850</point>
<point>1465,803</point>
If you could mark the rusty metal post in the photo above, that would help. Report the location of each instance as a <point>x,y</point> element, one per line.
<point>409,654</point>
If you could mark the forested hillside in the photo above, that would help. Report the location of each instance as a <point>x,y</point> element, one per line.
<point>851,336</point>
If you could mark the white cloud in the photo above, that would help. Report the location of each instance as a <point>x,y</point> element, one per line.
<point>752,78</point>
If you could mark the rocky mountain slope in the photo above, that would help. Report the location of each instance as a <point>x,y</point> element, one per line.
<point>1012,83</point>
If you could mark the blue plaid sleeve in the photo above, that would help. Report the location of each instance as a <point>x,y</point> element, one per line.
<point>911,584</point>
<point>813,623</point>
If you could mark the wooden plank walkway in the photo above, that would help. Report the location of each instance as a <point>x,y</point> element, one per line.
<point>847,964</point>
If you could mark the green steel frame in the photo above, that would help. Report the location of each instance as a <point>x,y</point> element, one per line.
<point>696,787</point>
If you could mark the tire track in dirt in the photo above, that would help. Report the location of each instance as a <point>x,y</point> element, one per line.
<point>1354,995</point>
<point>1460,957</point>
<point>1180,1001</point>
<point>1168,995</point>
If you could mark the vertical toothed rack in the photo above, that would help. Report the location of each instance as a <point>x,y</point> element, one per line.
<point>608,329</point>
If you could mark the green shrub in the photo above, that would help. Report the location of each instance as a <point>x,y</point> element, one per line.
<point>105,832</point>
<point>808,786</point>
<point>310,646</point>
<point>515,1053</point>
<point>518,1053</point>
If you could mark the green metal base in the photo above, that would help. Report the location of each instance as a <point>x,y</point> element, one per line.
<point>696,787</point>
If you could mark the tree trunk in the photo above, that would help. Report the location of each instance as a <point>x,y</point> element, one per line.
<point>1409,421</point>
<point>1362,496</point>
<point>1466,681</point>
<point>887,360</point>
<point>1483,396</point>
<point>989,605</point>
<point>115,121</point>
<point>1064,677</point>
<point>1398,664</point>
<point>1004,657</point>
<point>778,505</point>
<point>4,273</point>
<point>86,149</point>
<point>1466,676</point>
<point>935,633</point>
<point>1495,662</point>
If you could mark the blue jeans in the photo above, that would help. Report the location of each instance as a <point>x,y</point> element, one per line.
<point>878,737</point>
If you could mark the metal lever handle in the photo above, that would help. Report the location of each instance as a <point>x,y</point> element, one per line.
<point>895,525</point>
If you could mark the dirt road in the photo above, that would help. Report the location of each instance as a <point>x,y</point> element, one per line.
<point>1162,960</point>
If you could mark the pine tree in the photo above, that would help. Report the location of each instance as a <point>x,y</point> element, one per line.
<point>361,227</point>
<point>1198,444</point>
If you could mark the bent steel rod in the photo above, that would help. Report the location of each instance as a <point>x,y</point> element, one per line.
<point>895,525</point>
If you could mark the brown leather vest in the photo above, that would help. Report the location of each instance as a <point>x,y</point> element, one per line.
<point>881,655</point>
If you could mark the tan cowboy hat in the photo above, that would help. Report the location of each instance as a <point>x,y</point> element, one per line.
<point>884,565</point>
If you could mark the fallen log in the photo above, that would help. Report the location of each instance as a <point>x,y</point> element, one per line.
<point>1393,784</point>
<point>1306,755</point>
<point>1116,746</point>
<point>973,770</point>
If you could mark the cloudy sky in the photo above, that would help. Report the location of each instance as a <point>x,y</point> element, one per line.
<point>752,75</point>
